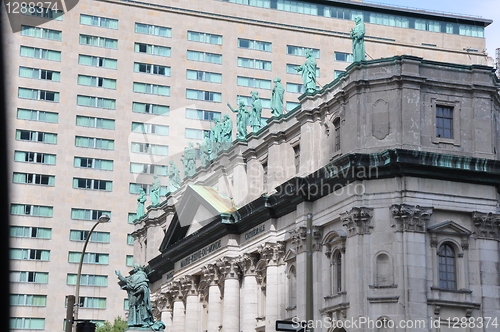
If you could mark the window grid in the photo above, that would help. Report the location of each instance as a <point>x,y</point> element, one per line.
<point>202,114</point>
<point>30,254</point>
<point>29,277</point>
<point>89,121</point>
<point>26,93</point>
<point>30,232</point>
<point>41,33</point>
<point>94,163</point>
<point>151,69</point>
<point>135,188</point>
<point>254,64</point>
<point>204,57</point>
<point>152,49</point>
<point>444,121</point>
<point>255,45</point>
<point>204,95</point>
<point>98,41</point>
<point>88,280</point>
<point>148,169</point>
<point>149,128</point>
<point>150,108</point>
<point>203,37</point>
<point>203,76</point>
<point>35,157</point>
<point>301,51</point>
<point>108,83</point>
<point>341,56</point>
<point>154,30</point>
<point>94,184</point>
<point>40,53</point>
<point>97,102</point>
<point>98,21</point>
<point>31,210</point>
<point>152,89</point>
<point>36,115</point>
<point>98,237</point>
<point>40,74</point>
<point>148,148</point>
<point>88,258</point>
<point>94,143</point>
<point>23,323</point>
<point>254,82</point>
<point>447,267</point>
<point>30,178</point>
<point>94,61</point>
<point>36,136</point>
<point>28,300</point>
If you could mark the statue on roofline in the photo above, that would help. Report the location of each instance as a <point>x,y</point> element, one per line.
<point>358,40</point>
<point>308,70</point>
<point>277,98</point>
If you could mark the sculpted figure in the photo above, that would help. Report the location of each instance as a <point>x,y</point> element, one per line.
<point>189,160</point>
<point>140,309</point>
<point>256,112</point>
<point>241,119</point>
<point>216,138</point>
<point>174,178</point>
<point>308,70</point>
<point>155,191</point>
<point>358,40</point>
<point>277,97</point>
<point>140,204</point>
<point>205,150</point>
<point>227,129</point>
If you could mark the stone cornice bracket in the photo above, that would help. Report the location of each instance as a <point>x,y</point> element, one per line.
<point>272,253</point>
<point>411,218</point>
<point>211,274</point>
<point>229,268</point>
<point>247,263</point>
<point>189,285</point>
<point>486,225</point>
<point>357,221</point>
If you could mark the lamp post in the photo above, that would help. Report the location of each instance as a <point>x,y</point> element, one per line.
<point>72,313</point>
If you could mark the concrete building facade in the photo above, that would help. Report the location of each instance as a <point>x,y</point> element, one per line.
<point>105,95</point>
<point>405,216</point>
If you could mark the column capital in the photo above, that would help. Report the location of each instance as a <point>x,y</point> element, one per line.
<point>189,285</point>
<point>411,218</point>
<point>486,225</point>
<point>175,290</point>
<point>248,262</point>
<point>162,301</point>
<point>229,268</point>
<point>272,253</point>
<point>357,221</point>
<point>211,274</point>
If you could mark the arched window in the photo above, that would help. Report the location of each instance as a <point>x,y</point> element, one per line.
<point>292,287</point>
<point>337,272</point>
<point>447,267</point>
<point>336,128</point>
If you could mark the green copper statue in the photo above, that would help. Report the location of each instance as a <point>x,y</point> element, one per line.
<point>358,40</point>
<point>140,312</point>
<point>277,98</point>
<point>174,178</point>
<point>241,119</point>
<point>140,204</point>
<point>256,112</point>
<point>189,160</point>
<point>308,70</point>
<point>155,191</point>
<point>205,150</point>
<point>216,138</point>
<point>227,129</point>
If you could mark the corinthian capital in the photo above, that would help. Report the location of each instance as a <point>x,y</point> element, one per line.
<point>211,274</point>
<point>358,220</point>
<point>189,285</point>
<point>247,263</point>
<point>486,225</point>
<point>272,252</point>
<point>229,268</point>
<point>411,218</point>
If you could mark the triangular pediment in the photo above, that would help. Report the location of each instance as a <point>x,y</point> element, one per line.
<point>449,227</point>
<point>290,255</point>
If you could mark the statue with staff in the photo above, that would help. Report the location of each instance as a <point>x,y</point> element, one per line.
<point>308,71</point>
<point>241,119</point>
<point>358,40</point>
<point>277,98</point>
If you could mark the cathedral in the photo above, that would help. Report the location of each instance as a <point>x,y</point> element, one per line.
<point>382,186</point>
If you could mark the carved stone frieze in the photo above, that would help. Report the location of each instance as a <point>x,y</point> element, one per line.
<point>411,218</point>
<point>247,263</point>
<point>357,221</point>
<point>272,253</point>
<point>486,225</point>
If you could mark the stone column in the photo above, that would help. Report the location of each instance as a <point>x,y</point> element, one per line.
<point>211,275</point>
<point>178,316</point>
<point>164,304</point>
<point>249,313</point>
<point>189,285</point>
<point>272,253</point>
<point>230,271</point>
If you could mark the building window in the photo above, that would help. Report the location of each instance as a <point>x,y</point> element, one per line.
<point>150,108</point>
<point>88,280</point>
<point>38,94</point>
<point>35,157</point>
<point>295,88</point>
<point>153,30</point>
<point>149,128</point>
<point>151,69</point>
<point>94,61</point>
<point>35,115</point>
<point>296,158</point>
<point>204,37</point>
<point>98,237</point>
<point>130,239</point>
<point>254,64</point>
<point>340,56</point>
<point>40,53</point>
<point>28,300</point>
<point>152,49</point>
<point>266,103</point>
<point>22,323</point>
<point>290,106</point>
<point>264,173</point>
<point>31,232</point>
<point>254,45</point>
<point>202,115</point>
<point>31,210</point>
<point>336,266</point>
<point>108,83</point>
<point>41,33</point>
<point>196,133</point>
<point>40,74</point>
<point>92,302</point>
<point>148,169</point>
<point>301,51</point>
<point>53,14</point>
<point>30,254</point>
<point>29,178</point>
<point>94,143</point>
<point>36,136</point>
<point>89,121</point>
<point>292,287</point>
<point>29,276</point>
<point>95,163</point>
<point>337,73</point>
<point>84,214</point>
<point>290,69</point>
<point>444,121</point>
<point>204,95</point>
<point>129,260</point>
<point>254,82</point>
<point>94,184</point>
<point>88,258</point>
<point>336,129</point>
<point>98,102</point>
<point>204,57</point>
<point>152,89</point>
<point>99,41</point>
<point>99,21</point>
<point>137,147</point>
<point>447,267</point>
<point>135,188</point>
<point>203,76</point>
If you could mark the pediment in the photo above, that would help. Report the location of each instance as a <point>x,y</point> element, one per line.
<point>290,255</point>
<point>449,227</point>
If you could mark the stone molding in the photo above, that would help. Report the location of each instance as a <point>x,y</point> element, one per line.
<point>411,218</point>
<point>357,220</point>
<point>486,225</point>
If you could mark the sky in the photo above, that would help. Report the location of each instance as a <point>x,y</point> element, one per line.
<point>489,9</point>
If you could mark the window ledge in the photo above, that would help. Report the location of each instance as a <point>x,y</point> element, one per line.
<point>459,291</point>
<point>383,286</point>
<point>334,295</point>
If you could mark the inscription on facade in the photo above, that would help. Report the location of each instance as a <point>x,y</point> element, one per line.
<point>255,231</point>
<point>201,253</point>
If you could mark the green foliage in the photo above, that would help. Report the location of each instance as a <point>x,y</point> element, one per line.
<point>119,325</point>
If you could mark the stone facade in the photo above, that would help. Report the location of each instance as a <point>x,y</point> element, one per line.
<point>405,224</point>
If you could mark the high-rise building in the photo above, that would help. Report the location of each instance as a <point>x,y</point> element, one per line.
<point>103,96</point>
